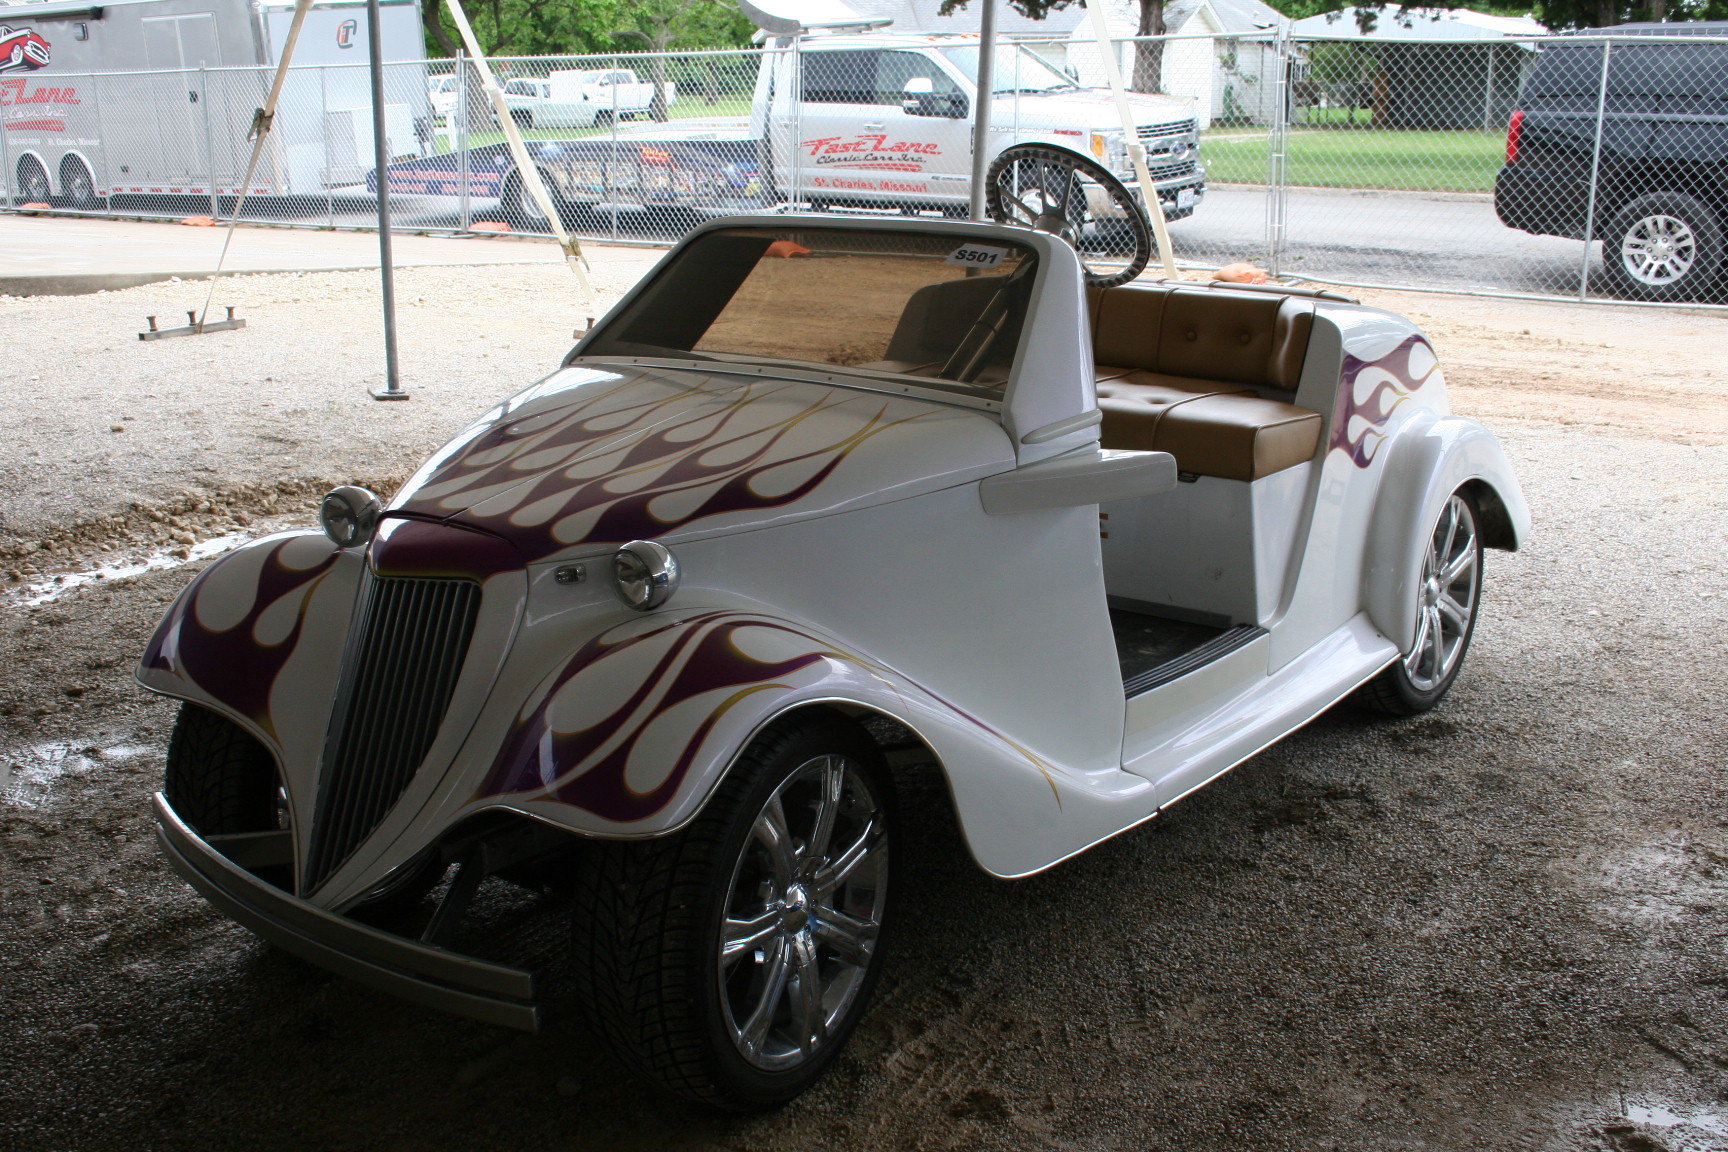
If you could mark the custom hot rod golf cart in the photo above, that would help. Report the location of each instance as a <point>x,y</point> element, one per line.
<point>632,631</point>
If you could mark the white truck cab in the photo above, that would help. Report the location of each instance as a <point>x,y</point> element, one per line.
<point>883,120</point>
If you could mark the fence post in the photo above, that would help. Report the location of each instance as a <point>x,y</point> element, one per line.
<point>324,176</point>
<point>1277,190</point>
<point>794,145</point>
<point>209,144</point>
<point>611,166</point>
<point>1595,171</point>
<point>459,112</point>
<point>8,174</point>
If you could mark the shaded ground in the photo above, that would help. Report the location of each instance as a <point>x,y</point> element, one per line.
<point>1497,926</point>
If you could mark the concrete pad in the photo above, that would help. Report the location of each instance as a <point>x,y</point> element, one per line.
<point>67,256</point>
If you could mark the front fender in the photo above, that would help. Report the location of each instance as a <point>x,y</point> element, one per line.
<point>630,737</point>
<point>1431,458</point>
<point>257,637</point>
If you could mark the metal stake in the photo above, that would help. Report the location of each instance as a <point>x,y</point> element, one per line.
<point>392,389</point>
<point>986,97</point>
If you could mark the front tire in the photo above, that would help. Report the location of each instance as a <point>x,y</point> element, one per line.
<point>1664,246</point>
<point>33,185</point>
<point>729,962</point>
<point>1447,600</point>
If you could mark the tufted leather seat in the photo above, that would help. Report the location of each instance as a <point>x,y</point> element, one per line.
<point>1183,372</point>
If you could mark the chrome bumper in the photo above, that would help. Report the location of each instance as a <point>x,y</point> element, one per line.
<point>426,975</point>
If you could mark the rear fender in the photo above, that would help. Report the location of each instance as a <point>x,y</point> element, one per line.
<point>1431,458</point>
<point>630,737</point>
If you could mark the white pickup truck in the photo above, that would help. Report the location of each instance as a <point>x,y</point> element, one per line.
<point>876,121</point>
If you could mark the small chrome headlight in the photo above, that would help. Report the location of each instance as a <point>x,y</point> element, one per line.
<point>350,515</point>
<point>645,574</point>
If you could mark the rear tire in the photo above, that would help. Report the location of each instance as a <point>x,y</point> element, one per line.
<point>1663,246</point>
<point>78,185</point>
<point>729,962</point>
<point>1447,603</point>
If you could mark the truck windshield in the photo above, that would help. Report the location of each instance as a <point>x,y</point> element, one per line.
<point>1017,70</point>
<point>941,307</point>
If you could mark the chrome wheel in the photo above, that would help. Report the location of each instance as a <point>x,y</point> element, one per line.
<point>803,914</point>
<point>1659,250</point>
<point>1446,600</point>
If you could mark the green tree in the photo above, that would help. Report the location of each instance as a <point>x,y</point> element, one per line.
<point>1149,21</point>
<point>663,25</point>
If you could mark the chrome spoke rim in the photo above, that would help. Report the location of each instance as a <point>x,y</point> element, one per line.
<point>1446,599</point>
<point>803,914</point>
<point>1659,250</point>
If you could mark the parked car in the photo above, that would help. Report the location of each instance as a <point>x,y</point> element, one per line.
<point>1658,202</point>
<point>533,105</point>
<point>441,89</point>
<point>818,497</point>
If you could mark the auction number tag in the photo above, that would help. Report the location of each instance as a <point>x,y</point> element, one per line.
<point>976,256</point>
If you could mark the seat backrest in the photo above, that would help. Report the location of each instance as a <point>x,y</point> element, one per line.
<point>1238,338</point>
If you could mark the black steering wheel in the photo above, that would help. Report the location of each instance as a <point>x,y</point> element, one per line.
<point>1067,195</point>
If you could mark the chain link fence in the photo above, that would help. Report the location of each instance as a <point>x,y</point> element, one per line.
<point>1468,165</point>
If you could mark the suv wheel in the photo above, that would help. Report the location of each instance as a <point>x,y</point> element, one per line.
<point>1664,246</point>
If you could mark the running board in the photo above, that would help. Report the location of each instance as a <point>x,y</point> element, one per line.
<point>1218,646</point>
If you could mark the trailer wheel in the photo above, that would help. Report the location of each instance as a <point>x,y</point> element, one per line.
<point>78,185</point>
<point>33,186</point>
<point>520,208</point>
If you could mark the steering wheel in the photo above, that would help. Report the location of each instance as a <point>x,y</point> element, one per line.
<point>1060,192</point>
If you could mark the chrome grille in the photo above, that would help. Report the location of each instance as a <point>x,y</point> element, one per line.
<point>1160,139</point>
<point>413,637</point>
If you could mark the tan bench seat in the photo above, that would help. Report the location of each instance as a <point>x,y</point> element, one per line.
<point>1182,372</point>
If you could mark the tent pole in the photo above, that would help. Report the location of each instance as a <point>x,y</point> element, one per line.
<point>982,106</point>
<point>392,389</point>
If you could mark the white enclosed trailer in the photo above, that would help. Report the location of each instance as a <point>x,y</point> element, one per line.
<point>155,97</point>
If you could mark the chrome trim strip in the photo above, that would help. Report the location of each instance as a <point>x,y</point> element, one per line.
<point>429,976</point>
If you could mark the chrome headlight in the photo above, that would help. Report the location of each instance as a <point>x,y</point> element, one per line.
<point>645,574</point>
<point>350,515</point>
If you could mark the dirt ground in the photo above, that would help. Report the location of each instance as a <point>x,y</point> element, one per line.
<point>1500,925</point>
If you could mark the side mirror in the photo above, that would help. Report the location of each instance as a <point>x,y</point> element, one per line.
<point>918,97</point>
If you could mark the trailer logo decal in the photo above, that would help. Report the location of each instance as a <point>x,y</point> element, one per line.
<point>345,33</point>
<point>12,94</point>
<point>22,50</point>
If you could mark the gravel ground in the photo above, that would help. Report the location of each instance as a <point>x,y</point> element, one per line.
<point>1497,926</point>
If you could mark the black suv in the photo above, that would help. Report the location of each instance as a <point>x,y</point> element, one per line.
<point>1662,181</point>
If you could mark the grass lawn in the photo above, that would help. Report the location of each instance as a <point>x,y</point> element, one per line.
<point>686,108</point>
<point>1362,158</point>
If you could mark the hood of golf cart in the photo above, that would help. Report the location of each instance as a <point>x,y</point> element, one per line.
<point>596,456</point>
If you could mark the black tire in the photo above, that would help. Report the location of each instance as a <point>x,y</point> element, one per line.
<point>524,117</point>
<point>220,779</point>
<point>1419,678</point>
<point>33,185</point>
<point>521,211</point>
<point>1663,246</point>
<point>650,923</point>
<point>78,185</point>
<point>1054,190</point>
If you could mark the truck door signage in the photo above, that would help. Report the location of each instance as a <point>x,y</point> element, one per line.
<point>22,50</point>
<point>870,151</point>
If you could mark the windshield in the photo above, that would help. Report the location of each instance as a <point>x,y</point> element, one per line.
<point>1017,70</point>
<point>943,307</point>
